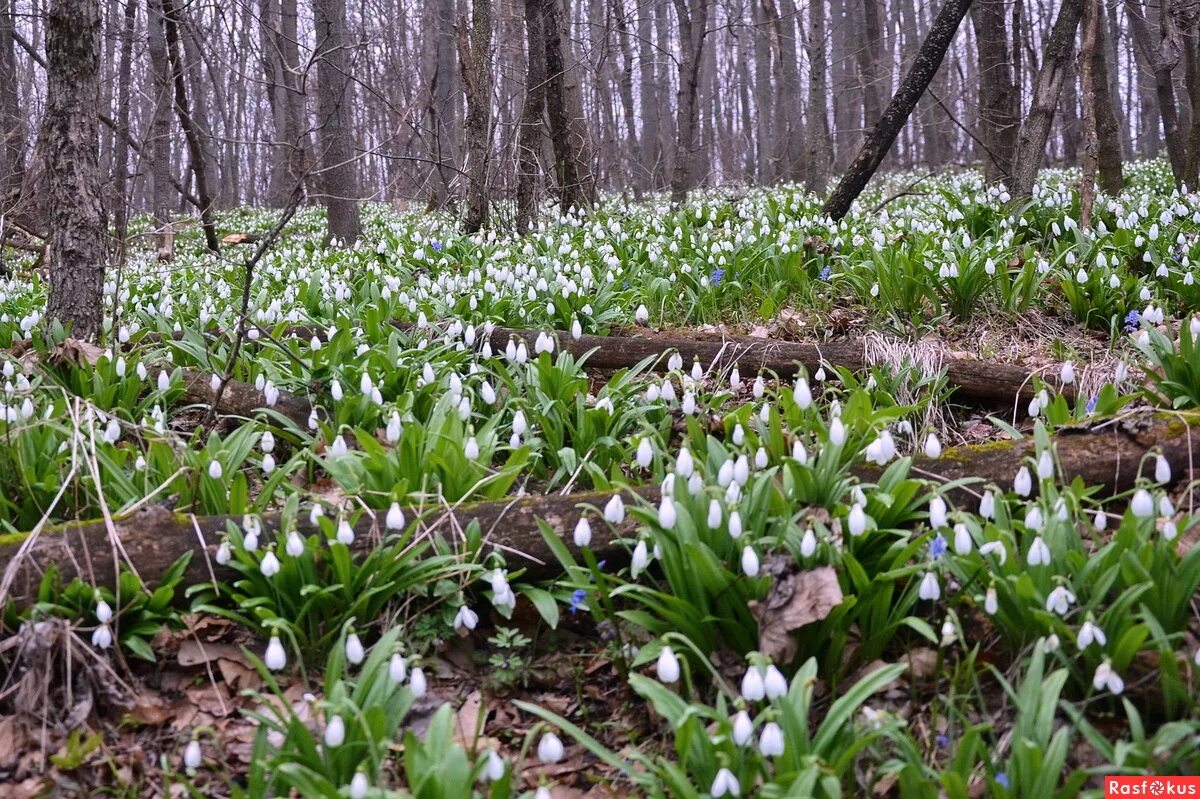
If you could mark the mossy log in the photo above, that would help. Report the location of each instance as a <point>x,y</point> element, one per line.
<point>1107,453</point>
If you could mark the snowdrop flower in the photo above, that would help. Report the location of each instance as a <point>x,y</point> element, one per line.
<point>614,510</point>
<point>743,727</point>
<point>808,543</point>
<point>359,786</point>
<point>104,612</point>
<point>1033,519</point>
<point>494,769</point>
<point>345,533</point>
<point>1023,482</point>
<point>949,633</point>
<point>102,637</point>
<point>1060,600</point>
<point>990,605</point>
<point>963,543</point>
<point>770,741</point>
<point>666,513</point>
<point>112,433</point>
<point>725,784</point>
<point>857,520</point>
<point>337,447</point>
<point>397,668</point>
<point>276,657</point>
<point>753,687</point>
<point>294,546</point>
<point>224,554</point>
<point>335,390</point>
<point>1162,470</point>
<point>471,449</point>
<point>684,464</point>
<point>192,756</point>
<point>487,393</point>
<point>214,469</point>
<point>395,517</point>
<point>465,619</point>
<point>1106,678</point>
<point>1067,373</point>
<point>799,453</point>
<point>1050,643</point>
<point>267,442</point>
<point>1142,504</point>
<point>741,470</point>
<point>354,649</point>
<point>933,447</point>
<point>774,683</point>
<point>1089,633</point>
<point>1045,466</point>
<point>929,590</point>
<point>1039,553</point>
<point>819,376</point>
<point>550,748</point>
<point>270,565</point>
<point>417,683</point>
<point>645,453</point>
<point>802,394</point>
<point>392,433</point>
<point>667,667</point>
<point>937,513</point>
<point>641,315</point>
<point>164,380</point>
<point>750,563</point>
<point>335,732</point>
<point>760,458</point>
<point>640,559</point>
<point>997,548</point>
<point>837,432</point>
<point>583,532</point>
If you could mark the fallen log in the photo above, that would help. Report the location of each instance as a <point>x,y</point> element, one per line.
<point>242,399</point>
<point>1106,453</point>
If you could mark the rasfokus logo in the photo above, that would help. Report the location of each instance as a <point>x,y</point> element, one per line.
<point>1151,786</point>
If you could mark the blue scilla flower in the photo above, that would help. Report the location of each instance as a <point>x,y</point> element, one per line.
<point>825,273</point>
<point>937,547</point>
<point>577,600</point>
<point>1133,320</point>
<point>717,276</point>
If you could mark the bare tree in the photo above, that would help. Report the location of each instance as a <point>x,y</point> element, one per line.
<point>1088,80</point>
<point>339,176</point>
<point>475,55</point>
<point>1162,60</point>
<point>820,149</point>
<point>693,28</point>
<point>568,126</point>
<point>76,250</point>
<point>999,108</point>
<point>160,129</point>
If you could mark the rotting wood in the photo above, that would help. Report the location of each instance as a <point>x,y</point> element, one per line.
<point>1107,453</point>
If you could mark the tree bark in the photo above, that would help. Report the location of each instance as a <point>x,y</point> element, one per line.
<point>476,65</point>
<point>1108,131</point>
<point>183,110</point>
<point>529,141</point>
<point>1088,80</point>
<point>338,165</point>
<point>998,100</point>
<point>290,149</point>
<point>160,130</point>
<point>820,148</point>
<point>880,139</point>
<point>76,250</point>
<point>1103,454</point>
<point>693,29</point>
<point>1035,130</point>
<point>121,143</point>
<point>568,126</point>
<point>1162,61</point>
<point>651,151</point>
<point>12,121</point>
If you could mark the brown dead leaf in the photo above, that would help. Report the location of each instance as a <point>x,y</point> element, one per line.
<point>74,351</point>
<point>467,722</point>
<point>795,599</point>
<point>193,652</point>
<point>212,698</point>
<point>150,709</point>
<point>760,331</point>
<point>238,675</point>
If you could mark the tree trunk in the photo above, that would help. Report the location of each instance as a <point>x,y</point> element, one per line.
<point>76,250</point>
<point>1162,61</point>
<point>648,94</point>
<point>121,144</point>
<point>998,99</point>
<point>870,68</point>
<point>1108,132</point>
<point>789,122</point>
<point>529,141</point>
<point>1088,80</point>
<point>289,151</point>
<point>12,120</point>
<point>187,123</point>
<point>476,64</point>
<point>339,172</point>
<point>564,102</point>
<point>928,59</point>
<point>693,28</point>
<point>1185,16</point>
<point>160,130</point>
<point>820,148</point>
<point>1035,130</point>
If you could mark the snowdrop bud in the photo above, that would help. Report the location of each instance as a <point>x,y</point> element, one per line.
<point>641,315</point>
<point>645,453</point>
<point>735,524</point>
<point>1023,482</point>
<point>759,387</point>
<point>774,683</point>
<point>799,453</point>
<point>395,517</point>
<point>335,390</point>
<point>930,589</point>
<point>550,748</point>
<point>223,555</point>
<point>725,784</point>
<point>345,533</point>
<point>990,604</point>
<point>743,727</point>
<point>741,470</point>
<point>750,563</point>
<point>397,668</point>
<point>770,741</point>
<point>335,732</point>
<point>937,513</point>
<point>270,565</point>
<point>667,666</point>
<point>354,649</point>
<point>192,756</point>
<point>837,432</point>
<point>808,543</point>
<point>1067,373</point>
<point>1162,470</point>
<point>684,463</point>
<point>295,545</point>
<point>614,510</point>
<point>857,520</point>
<point>666,513</point>
<point>987,505</point>
<point>471,449</point>
<point>583,532</point>
<point>1033,518</point>
<point>487,393</point>
<point>802,394</point>
<point>359,786</point>
<point>276,657</point>
<point>963,543</point>
<point>640,559</point>
<point>760,458</point>
<point>1142,504</point>
<point>753,687</point>
<point>417,683</point>
<point>164,380</point>
<point>494,769</point>
<point>104,612</point>
<point>214,469</point>
<point>933,447</point>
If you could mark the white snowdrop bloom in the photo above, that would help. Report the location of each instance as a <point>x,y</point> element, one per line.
<point>1033,518</point>
<point>214,469</point>
<point>275,658</point>
<point>739,435</point>
<point>295,544</point>
<point>753,687</point>
<point>267,442</point>
<point>802,394</point>
<point>770,740</point>
<point>335,732</point>
<point>761,459</point>
<point>741,470</point>
<point>1045,466</point>
<point>359,785</point>
<point>550,748</point>
<point>666,513</point>
<point>576,329</point>
<point>345,533</point>
<point>930,589</point>
<point>1081,276</point>
<point>963,543</point>
<point>312,419</point>
<point>857,520</point>
<point>224,555</point>
<point>667,667</point>
<point>164,380</point>
<point>774,683</point>
<point>1067,373</point>
<point>837,432</point>
<point>487,393</point>
<point>417,682</point>
<point>1142,504</point>
<point>471,449</point>
<point>1162,470</point>
<point>335,390</point>
<point>140,371</point>
<point>269,565</point>
<point>714,514</point>
<point>987,505</point>
<point>640,559</point>
<point>750,562</point>
<point>337,447</point>
<point>1101,520</point>
<point>1169,531</point>
<point>933,447</point>
<point>614,510</point>
<point>112,432</point>
<point>688,405</point>
<point>735,524</point>
<point>641,315</point>
<point>725,784</point>
<point>808,543</point>
<point>759,387</point>
<point>819,375</point>
<point>494,769</point>
<point>799,453</point>
<point>1023,482</point>
<point>104,612</point>
<point>990,604</point>
<point>949,633</point>
<point>140,463</point>
<point>743,727</point>
<point>102,637</point>
<point>645,453</point>
<point>365,384</point>
<point>583,532</point>
<point>735,380</point>
<point>519,423</point>
<point>354,649</point>
<point>1090,633</point>
<point>1106,678</point>
<point>937,513</point>
<point>192,757</point>
<point>395,517</point>
<point>1060,600</point>
<point>465,619</point>
<point>725,474</point>
<point>397,668</point>
<point>684,463</point>
<point>1039,553</point>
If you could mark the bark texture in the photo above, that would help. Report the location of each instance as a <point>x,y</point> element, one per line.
<point>476,60</point>
<point>339,173</point>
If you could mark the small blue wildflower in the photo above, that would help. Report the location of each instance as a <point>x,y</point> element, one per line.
<point>1133,320</point>
<point>1002,780</point>
<point>825,273</point>
<point>937,547</point>
<point>717,276</point>
<point>942,741</point>
<point>1091,404</point>
<point>577,599</point>
<point>436,245</point>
